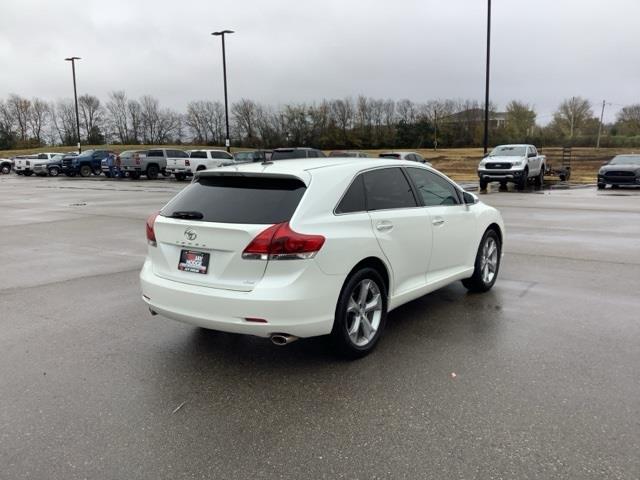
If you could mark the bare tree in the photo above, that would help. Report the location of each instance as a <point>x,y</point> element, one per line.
<point>90,116</point>
<point>64,121</point>
<point>244,119</point>
<point>38,118</point>
<point>572,115</point>
<point>629,119</point>
<point>118,116</point>
<point>20,109</point>
<point>134,111</point>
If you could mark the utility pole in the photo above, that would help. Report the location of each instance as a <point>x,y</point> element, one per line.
<point>600,127</point>
<point>224,73</point>
<point>573,109</point>
<point>75,96</point>
<point>486,90</point>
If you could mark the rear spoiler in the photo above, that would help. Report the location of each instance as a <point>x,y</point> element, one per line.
<point>236,173</point>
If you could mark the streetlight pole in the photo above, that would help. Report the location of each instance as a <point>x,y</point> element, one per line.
<point>604,102</point>
<point>75,96</point>
<point>222,33</point>
<point>486,90</point>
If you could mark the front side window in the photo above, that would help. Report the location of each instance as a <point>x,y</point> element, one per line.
<point>223,155</point>
<point>388,188</point>
<point>433,189</point>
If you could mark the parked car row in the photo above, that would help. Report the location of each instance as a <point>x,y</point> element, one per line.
<point>152,163</point>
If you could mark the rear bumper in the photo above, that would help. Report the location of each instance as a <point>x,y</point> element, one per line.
<point>302,305</point>
<point>179,170</point>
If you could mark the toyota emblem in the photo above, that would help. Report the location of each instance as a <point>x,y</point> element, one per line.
<point>190,234</point>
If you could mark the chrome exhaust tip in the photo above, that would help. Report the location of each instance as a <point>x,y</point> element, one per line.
<point>282,339</point>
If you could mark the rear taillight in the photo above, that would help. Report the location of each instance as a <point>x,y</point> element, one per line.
<point>187,163</point>
<point>279,242</point>
<point>151,234</point>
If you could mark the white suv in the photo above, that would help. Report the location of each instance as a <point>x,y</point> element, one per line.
<point>314,247</point>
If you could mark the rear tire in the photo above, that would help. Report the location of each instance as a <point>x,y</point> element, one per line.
<point>602,186</point>
<point>487,264</point>
<point>6,169</point>
<point>97,172</point>
<point>540,178</point>
<point>361,314</point>
<point>54,171</point>
<point>152,172</point>
<point>28,173</point>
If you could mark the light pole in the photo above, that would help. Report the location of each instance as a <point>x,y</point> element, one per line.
<point>75,96</point>
<point>222,33</point>
<point>486,89</point>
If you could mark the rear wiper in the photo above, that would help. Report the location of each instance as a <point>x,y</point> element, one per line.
<point>187,215</point>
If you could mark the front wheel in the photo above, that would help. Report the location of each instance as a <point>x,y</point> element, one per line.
<point>27,173</point>
<point>6,169</point>
<point>54,171</point>
<point>524,179</point>
<point>483,184</point>
<point>361,313</point>
<point>487,264</point>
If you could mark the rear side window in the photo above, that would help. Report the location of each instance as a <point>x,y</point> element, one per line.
<point>155,153</point>
<point>353,199</point>
<point>433,189</point>
<point>231,199</point>
<point>199,154</point>
<point>223,155</point>
<point>288,154</point>
<point>388,188</point>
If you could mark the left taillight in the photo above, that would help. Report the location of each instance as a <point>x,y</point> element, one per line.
<point>151,234</point>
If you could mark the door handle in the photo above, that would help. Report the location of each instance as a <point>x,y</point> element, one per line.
<point>384,226</point>
<point>437,221</point>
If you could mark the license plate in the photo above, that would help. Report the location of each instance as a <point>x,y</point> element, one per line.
<point>192,261</point>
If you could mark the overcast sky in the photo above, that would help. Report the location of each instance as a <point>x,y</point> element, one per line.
<point>306,50</point>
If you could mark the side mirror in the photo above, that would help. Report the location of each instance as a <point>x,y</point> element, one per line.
<point>470,198</point>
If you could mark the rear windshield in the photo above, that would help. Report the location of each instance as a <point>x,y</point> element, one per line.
<point>390,155</point>
<point>288,154</point>
<point>250,200</point>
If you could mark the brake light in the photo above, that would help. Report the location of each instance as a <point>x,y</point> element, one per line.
<point>187,163</point>
<point>280,242</point>
<point>151,234</point>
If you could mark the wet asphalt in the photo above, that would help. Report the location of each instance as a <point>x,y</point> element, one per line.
<point>538,378</point>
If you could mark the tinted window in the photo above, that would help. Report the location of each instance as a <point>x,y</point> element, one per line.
<point>433,189</point>
<point>418,158</point>
<point>388,188</point>
<point>389,155</point>
<point>288,154</point>
<point>155,153</point>
<point>180,154</point>
<point>199,154</point>
<point>223,155</point>
<point>252,200</point>
<point>353,200</point>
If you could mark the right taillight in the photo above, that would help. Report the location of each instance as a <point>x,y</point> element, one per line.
<point>151,234</point>
<point>280,242</point>
<point>187,163</point>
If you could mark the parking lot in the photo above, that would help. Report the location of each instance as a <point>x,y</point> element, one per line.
<point>536,379</point>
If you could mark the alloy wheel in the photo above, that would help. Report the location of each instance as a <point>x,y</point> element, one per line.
<point>489,260</point>
<point>364,312</point>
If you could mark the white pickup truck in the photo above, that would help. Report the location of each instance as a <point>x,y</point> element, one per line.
<point>26,164</point>
<point>512,164</point>
<point>198,160</point>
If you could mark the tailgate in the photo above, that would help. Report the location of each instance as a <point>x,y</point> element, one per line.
<point>223,242</point>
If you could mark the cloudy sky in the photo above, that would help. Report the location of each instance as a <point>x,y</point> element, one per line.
<point>306,50</point>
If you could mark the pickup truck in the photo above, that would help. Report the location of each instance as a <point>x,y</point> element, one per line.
<point>512,164</point>
<point>149,163</point>
<point>85,164</point>
<point>54,167</point>
<point>27,165</point>
<point>196,160</point>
